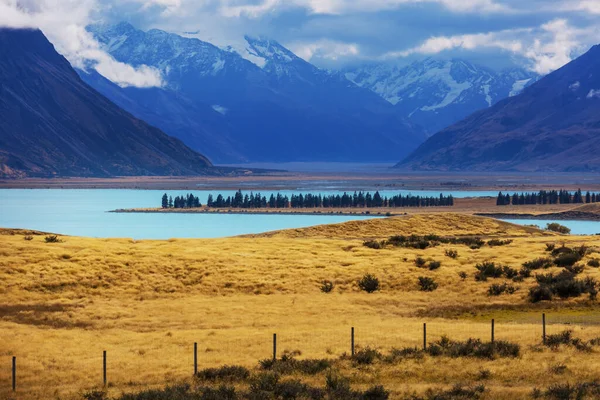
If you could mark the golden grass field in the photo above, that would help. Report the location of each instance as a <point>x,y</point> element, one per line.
<point>147,302</point>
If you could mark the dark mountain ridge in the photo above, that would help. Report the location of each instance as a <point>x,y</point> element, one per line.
<point>554,125</point>
<point>53,124</point>
<point>282,111</point>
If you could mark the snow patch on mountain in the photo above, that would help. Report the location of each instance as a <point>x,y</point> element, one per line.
<point>518,87</point>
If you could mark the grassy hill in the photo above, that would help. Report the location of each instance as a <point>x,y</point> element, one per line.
<point>147,302</point>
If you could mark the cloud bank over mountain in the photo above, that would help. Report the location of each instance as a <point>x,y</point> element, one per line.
<point>540,35</point>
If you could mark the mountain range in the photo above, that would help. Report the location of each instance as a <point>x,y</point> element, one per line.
<point>278,108</point>
<point>553,125</point>
<point>53,124</point>
<point>437,93</point>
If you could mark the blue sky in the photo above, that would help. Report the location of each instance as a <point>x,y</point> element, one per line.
<point>541,35</point>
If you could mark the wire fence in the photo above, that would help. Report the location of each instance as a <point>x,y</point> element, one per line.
<point>31,373</point>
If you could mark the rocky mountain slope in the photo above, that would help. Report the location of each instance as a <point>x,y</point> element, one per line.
<point>275,106</point>
<point>53,124</point>
<point>553,125</point>
<point>435,93</point>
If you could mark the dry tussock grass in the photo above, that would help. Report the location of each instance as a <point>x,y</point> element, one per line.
<point>147,302</point>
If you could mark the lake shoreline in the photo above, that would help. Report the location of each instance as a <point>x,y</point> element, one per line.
<point>247,211</point>
<point>560,216</point>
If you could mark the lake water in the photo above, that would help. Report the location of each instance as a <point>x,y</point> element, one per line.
<point>85,213</point>
<point>577,227</point>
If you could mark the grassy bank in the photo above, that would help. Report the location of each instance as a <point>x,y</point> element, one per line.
<point>147,302</point>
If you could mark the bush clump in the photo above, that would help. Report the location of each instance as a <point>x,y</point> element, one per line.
<point>52,239</point>
<point>451,253</point>
<point>499,289</point>
<point>499,242</point>
<point>457,392</point>
<point>594,263</point>
<point>491,270</point>
<point>563,285</point>
<point>567,391</point>
<point>287,365</point>
<point>538,263</point>
<point>366,356</point>
<point>566,338</point>
<point>369,283</point>
<point>433,265</point>
<point>374,244</point>
<point>427,284</point>
<point>326,286</point>
<point>556,227</point>
<point>229,373</point>
<point>420,262</point>
<point>473,348</point>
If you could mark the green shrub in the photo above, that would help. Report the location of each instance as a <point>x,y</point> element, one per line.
<point>538,263</point>
<point>451,253</point>
<point>289,365</point>
<point>226,373</point>
<point>498,242</point>
<point>420,262</point>
<point>376,393</point>
<point>457,392</point>
<point>567,391</point>
<point>264,382</point>
<point>563,285</point>
<point>369,283</point>
<point>594,263</point>
<point>326,286</point>
<point>499,289</point>
<point>550,246</point>
<point>463,275</point>
<point>427,284</point>
<point>540,293</point>
<point>295,389</point>
<point>567,259</point>
<point>52,239</point>
<point>433,265</point>
<point>474,348</point>
<point>366,356</point>
<point>556,227</point>
<point>488,270</point>
<point>374,244</point>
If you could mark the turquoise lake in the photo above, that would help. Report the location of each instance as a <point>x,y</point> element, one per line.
<point>84,212</point>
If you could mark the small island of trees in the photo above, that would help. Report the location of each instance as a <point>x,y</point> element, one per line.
<point>547,197</point>
<point>279,201</point>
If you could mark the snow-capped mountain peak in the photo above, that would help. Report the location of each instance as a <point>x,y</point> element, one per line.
<point>436,93</point>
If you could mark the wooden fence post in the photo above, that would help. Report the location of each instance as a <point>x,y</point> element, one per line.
<point>493,326</point>
<point>352,340</point>
<point>195,358</point>
<point>104,367</point>
<point>425,336</point>
<point>14,374</point>
<point>544,327</point>
<point>274,347</point>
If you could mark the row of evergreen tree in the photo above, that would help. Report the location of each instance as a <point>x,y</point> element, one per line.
<point>547,197</point>
<point>345,200</point>
<point>189,201</point>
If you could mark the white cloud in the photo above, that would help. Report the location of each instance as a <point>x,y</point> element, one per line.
<point>63,22</point>
<point>591,6</point>
<point>324,49</point>
<point>546,48</point>
<point>232,8</point>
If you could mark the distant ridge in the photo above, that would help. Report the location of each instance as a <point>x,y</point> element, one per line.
<point>258,102</point>
<point>53,124</point>
<point>554,125</point>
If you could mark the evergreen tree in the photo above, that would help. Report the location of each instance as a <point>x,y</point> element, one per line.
<point>165,201</point>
